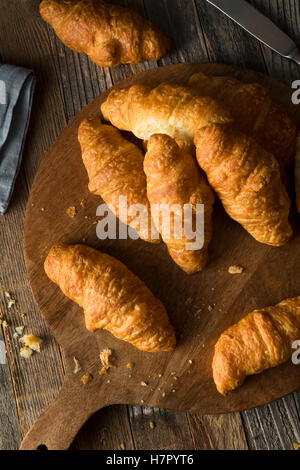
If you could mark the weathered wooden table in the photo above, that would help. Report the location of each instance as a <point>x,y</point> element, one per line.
<point>66,83</point>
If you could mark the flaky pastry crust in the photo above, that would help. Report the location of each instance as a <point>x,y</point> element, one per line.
<point>108,34</point>
<point>112,297</point>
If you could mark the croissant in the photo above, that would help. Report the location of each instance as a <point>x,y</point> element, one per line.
<point>247,180</point>
<point>115,169</point>
<point>112,297</point>
<point>169,109</point>
<point>254,112</point>
<point>173,177</point>
<point>108,34</point>
<point>261,340</point>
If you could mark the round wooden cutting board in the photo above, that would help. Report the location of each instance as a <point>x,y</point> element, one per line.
<point>200,306</point>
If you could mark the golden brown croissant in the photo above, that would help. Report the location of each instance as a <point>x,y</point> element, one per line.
<point>261,340</point>
<point>115,168</point>
<point>112,297</point>
<point>173,177</point>
<point>254,112</point>
<point>169,109</point>
<point>247,180</point>
<point>108,34</point>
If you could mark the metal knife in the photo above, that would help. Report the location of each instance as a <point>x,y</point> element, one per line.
<point>261,27</point>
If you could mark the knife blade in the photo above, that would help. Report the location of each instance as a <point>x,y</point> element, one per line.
<point>261,27</point>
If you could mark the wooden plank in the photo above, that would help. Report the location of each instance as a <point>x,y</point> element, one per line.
<point>154,428</point>
<point>10,437</point>
<point>221,432</point>
<point>34,387</point>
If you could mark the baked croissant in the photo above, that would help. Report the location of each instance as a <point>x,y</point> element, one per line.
<point>261,340</point>
<point>174,178</point>
<point>112,297</point>
<point>254,112</point>
<point>247,180</point>
<point>115,169</point>
<point>169,109</point>
<point>108,34</point>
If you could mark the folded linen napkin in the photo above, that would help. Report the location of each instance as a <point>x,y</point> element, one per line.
<point>16,93</point>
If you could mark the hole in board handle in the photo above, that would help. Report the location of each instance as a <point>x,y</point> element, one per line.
<point>42,447</point>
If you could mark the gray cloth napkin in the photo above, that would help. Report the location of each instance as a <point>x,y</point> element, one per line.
<point>16,93</point>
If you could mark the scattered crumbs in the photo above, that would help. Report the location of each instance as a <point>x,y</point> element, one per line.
<point>105,358</point>
<point>10,300</point>
<point>163,394</point>
<point>173,373</point>
<point>235,269</point>
<point>77,367</point>
<point>190,361</point>
<point>72,211</point>
<point>19,330</point>
<point>173,391</point>
<point>42,209</point>
<point>83,202</point>
<point>95,222</point>
<point>175,378</point>
<point>26,352</point>
<point>159,375</point>
<point>130,365</point>
<point>108,381</point>
<point>31,341</point>
<point>144,384</point>
<point>210,308</point>
<point>86,378</point>
<point>142,401</point>
<point>188,301</point>
<point>152,425</point>
<point>296,446</point>
<point>130,376</point>
<point>122,446</point>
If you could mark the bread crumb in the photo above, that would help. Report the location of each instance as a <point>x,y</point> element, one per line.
<point>235,269</point>
<point>105,358</point>
<point>10,300</point>
<point>152,425</point>
<point>163,394</point>
<point>159,375</point>
<point>188,301</point>
<point>72,211</point>
<point>20,329</point>
<point>190,361</point>
<point>42,209</point>
<point>77,367</point>
<point>32,341</point>
<point>4,323</point>
<point>108,381</point>
<point>296,446</point>
<point>173,391</point>
<point>26,352</point>
<point>86,378</point>
<point>122,446</point>
<point>83,202</point>
<point>144,384</point>
<point>210,308</point>
<point>130,365</point>
<point>142,401</point>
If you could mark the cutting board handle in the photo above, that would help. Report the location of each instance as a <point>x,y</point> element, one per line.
<point>57,427</point>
